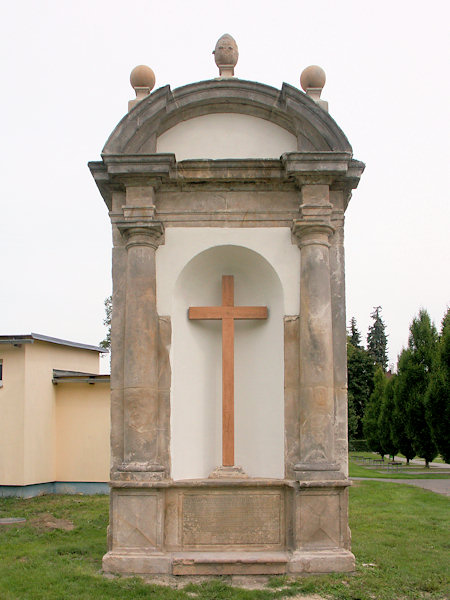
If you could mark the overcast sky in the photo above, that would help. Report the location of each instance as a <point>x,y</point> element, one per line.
<point>65,69</point>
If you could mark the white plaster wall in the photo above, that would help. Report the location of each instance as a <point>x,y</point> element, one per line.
<point>266,269</point>
<point>183,243</point>
<point>226,135</point>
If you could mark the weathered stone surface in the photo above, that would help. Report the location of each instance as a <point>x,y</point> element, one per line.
<point>136,563</point>
<point>226,527</point>
<point>291,394</point>
<point>227,563</point>
<point>319,520</point>
<point>316,333</point>
<point>119,269</point>
<point>223,208</point>
<point>337,279</point>
<point>289,108</point>
<point>137,521</point>
<point>229,519</point>
<point>322,561</point>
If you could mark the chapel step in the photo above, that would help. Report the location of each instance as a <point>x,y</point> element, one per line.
<point>229,563</point>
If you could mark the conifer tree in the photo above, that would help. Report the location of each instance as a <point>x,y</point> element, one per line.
<point>400,432</point>
<point>354,335</point>
<point>372,413</point>
<point>360,370</point>
<point>386,418</point>
<point>352,418</point>
<point>377,339</point>
<point>414,372</point>
<point>438,394</point>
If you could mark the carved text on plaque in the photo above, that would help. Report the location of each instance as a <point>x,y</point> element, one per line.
<point>234,519</point>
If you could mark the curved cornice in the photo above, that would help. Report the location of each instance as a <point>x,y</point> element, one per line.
<point>288,108</point>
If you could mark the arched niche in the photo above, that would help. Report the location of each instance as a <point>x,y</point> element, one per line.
<point>196,409</point>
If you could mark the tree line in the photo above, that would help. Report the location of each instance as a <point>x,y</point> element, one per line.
<point>407,411</point>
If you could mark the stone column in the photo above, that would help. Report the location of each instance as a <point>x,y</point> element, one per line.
<point>142,236</point>
<point>337,276</point>
<point>119,274</point>
<point>316,389</point>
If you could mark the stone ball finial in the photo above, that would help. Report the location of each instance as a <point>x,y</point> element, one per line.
<point>142,80</point>
<point>312,77</point>
<point>226,55</point>
<point>312,81</point>
<point>142,77</point>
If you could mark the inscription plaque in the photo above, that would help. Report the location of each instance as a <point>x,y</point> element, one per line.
<point>231,519</point>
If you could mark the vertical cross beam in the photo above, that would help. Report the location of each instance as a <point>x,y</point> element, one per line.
<point>227,313</point>
<point>228,374</point>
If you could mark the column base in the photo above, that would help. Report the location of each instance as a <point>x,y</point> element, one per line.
<point>152,471</point>
<point>318,472</point>
<point>234,472</point>
<point>321,561</point>
<point>137,563</point>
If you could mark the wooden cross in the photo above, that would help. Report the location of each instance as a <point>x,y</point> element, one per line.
<point>227,313</point>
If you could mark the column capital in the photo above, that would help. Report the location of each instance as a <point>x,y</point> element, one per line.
<point>312,233</point>
<point>142,233</point>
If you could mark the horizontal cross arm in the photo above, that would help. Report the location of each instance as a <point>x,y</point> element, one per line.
<point>228,312</point>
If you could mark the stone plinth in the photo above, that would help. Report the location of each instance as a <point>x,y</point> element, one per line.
<point>219,527</point>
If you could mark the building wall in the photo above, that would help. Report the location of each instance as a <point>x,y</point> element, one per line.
<point>40,416</point>
<point>82,431</point>
<point>29,414</point>
<point>226,135</point>
<point>12,395</point>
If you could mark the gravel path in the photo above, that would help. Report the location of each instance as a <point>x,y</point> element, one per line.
<point>440,486</point>
<point>419,461</point>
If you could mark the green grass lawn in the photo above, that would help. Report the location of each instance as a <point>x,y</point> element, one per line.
<point>400,538</point>
<point>356,469</point>
<point>438,458</point>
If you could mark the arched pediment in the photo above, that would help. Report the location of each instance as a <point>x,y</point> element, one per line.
<point>288,108</point>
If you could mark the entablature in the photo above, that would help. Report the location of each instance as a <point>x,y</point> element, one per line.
<point>338,170</point>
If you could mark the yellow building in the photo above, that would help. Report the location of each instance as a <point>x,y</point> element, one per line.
<point>54,417</point>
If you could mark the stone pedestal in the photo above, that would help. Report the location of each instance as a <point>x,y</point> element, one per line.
<point>228,527</point>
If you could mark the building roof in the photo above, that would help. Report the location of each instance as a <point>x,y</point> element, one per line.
<point>60,376</point>
<point>29,338</point>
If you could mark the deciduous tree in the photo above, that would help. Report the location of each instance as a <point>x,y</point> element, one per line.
<point>106,343</point>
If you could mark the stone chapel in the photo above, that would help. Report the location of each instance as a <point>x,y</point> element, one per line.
<point>228,376</point>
